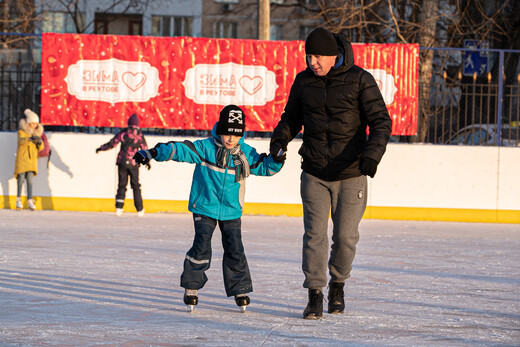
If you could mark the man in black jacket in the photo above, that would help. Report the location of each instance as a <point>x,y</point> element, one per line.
<point>334,101</point>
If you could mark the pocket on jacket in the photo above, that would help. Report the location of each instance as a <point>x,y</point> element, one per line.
<point>312,153</point>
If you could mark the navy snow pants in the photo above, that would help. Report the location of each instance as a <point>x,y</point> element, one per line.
<point>123,173</point>
<point>237,278</point>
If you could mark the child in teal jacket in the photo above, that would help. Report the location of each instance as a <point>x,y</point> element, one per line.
<point>223,162</point>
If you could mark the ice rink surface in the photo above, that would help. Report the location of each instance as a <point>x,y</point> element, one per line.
<point>94,279</point>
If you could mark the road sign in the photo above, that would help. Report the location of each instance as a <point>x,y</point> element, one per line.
<point>475,61</point>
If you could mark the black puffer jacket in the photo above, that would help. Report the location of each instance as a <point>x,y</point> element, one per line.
<point>334,111</point>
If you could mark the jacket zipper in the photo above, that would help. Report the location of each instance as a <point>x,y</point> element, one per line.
<point>223,189</point>
<point>326,126</point>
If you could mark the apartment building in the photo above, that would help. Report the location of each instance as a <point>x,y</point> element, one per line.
<point>198,18</point>
<point>126,17</point>
<point>239,19</point>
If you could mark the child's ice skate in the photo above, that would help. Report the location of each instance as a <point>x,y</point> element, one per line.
<point>242,301</point>
<point>31,204</point>
<point>190,298</point>
<point>19,204</point>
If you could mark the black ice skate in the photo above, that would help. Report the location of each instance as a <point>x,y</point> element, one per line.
<point>190,298</point>
<point>336,298</point>
<point>314,309</point>
<point>242,301</point>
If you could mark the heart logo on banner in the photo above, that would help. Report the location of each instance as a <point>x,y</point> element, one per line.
<point>251,84</point>
<point>134,81</point>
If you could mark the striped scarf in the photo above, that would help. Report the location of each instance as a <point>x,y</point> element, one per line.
<point>242,169</point>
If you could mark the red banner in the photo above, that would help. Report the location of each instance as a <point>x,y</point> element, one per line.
<point>183,82</point>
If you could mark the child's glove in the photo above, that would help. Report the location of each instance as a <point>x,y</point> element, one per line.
<point>36,139</point>
<point>148,166</point>
<point>98,149</point>
<point>145,155</point>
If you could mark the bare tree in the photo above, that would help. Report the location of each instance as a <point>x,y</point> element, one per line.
<point>426,39</point>
<point>17,17</point>
<point>74,8</point>
<point>21,17</point>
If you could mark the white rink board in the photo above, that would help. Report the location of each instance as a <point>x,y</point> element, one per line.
<point>410,175</point>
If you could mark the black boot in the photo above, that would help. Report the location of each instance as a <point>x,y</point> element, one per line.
<point>242,300</point>
<point>314,309</point>
<point>336,298</point>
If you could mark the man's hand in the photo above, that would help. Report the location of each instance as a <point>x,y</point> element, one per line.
<point>367,166</point>
<point>145,155</point>
<point>278,151</point>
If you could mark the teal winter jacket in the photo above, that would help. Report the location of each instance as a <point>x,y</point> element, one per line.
<point>214,192</point>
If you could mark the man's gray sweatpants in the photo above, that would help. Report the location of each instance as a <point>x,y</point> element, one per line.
<point>346,201</point>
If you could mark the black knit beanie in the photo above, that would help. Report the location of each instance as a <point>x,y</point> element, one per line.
<point>321,42</point>
<point>231,121</point>
<point>133,120</point>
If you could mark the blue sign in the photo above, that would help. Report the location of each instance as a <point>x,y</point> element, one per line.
<point>476,61</point>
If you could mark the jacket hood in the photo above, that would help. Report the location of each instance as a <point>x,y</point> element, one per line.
<point>23,125</point>
<point>345,48</point>
<point>348,54</point>
<point>214,134</point>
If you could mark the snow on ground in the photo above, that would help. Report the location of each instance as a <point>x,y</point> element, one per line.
<point>93,279</point>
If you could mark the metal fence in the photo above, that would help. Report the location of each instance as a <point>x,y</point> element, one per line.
<point>471,102</point>
<point>468,103</point>
<point>19,89</point>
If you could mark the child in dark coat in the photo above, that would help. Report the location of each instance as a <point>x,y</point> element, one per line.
<point>131,140</point>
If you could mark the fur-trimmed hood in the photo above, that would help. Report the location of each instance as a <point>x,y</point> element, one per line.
<point>38,131</point>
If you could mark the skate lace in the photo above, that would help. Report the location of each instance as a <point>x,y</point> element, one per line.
<point>314,298</point>
<point>336,294</point>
